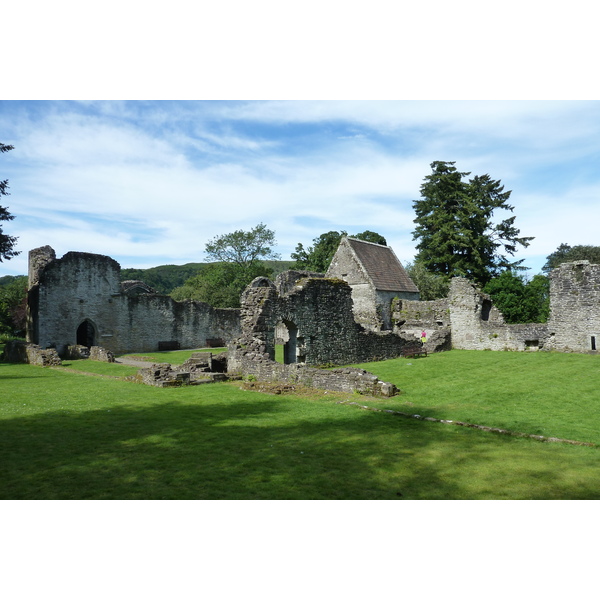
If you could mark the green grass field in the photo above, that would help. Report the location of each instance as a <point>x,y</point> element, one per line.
<point>542,393</point>
<point>66,434</point>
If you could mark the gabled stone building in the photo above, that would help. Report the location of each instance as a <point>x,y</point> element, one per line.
<point>376,277</point>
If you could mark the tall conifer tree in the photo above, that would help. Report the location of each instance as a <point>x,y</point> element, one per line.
<point>7,242</point>
<point>454,226</point>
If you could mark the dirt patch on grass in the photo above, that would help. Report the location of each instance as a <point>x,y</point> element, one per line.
<point>130,359</point>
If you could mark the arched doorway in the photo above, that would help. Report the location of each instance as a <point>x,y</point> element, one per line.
<point>286,334</point>
<point>86,334</point>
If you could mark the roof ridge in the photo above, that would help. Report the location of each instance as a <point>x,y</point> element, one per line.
<point>349,237</point>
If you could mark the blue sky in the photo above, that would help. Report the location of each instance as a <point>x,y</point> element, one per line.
<point>150,182</point>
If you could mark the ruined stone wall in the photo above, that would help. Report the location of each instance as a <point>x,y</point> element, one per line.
<point>38,259</point>
<point>347,380</point>
<point>82,287</point>
<point>143,321</point>
<point>287,280</point>
<point>321,327</point>
<point>321,311</point>
<point>478,325</point>
<point>573,325</point>
<point>17,351</point>
<point>411,317</point>
<point>574,321</point>
<point>418,313</point>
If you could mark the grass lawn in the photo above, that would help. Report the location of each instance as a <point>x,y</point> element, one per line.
<point>542,393</point>
<point>66,435</point>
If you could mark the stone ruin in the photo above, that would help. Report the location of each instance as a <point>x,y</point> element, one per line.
<point>17,351</point>
<point>574,321</point>
<point>315,319</point>
<point>313,316</point>
<point>469,318</point>
<point>98,353</point>
<point>201,367</point>
<point>474,323</point>
<point>80,300</point>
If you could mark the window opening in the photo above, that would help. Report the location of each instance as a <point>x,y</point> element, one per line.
<point>486,308</point>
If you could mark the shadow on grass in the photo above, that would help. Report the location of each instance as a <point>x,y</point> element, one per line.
<point>181,451</point>
<point>266,449</point>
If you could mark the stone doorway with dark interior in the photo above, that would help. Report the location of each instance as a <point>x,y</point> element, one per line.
<point>86,334</point>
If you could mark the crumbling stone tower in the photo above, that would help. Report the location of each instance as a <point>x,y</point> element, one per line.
<point>574,322</point>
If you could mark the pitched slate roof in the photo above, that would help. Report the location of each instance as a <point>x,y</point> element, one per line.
<point>382,266</point>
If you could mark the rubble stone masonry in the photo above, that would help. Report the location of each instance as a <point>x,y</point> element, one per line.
<point>574,322</point>
<point>78,299</point>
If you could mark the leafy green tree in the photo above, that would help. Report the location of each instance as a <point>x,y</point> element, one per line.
<point>220,284</point>
<point>371,236</point>
<point>520,301</point>
<point>244,248</point>
<point>566,253</point>
<point>508,294</point>
<point>7,242</point>
<point>431,285</point>
<point>239,255</point>
<point>318,257</point>
<point>538,298</point>
<point>455,229</point>
<point>13,304</point>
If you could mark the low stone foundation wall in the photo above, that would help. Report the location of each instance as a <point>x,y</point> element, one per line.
<point>76,352</point>
<point>345,379</point>
<point>101,354</point>
<point>164,375</point>
<point>17,351</point>
<point>79,352</point>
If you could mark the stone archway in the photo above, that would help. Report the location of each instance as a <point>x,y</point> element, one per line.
<point>290,349</point>
<point>286,335</point>
<point>86,334</point>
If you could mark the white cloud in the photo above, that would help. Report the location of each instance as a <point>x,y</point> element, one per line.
<point>153,182</point>
<point>74,140</point>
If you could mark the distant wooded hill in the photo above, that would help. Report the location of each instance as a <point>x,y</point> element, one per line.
<point>8,279</point>
<point>165,278</point>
